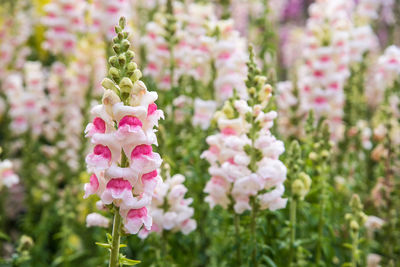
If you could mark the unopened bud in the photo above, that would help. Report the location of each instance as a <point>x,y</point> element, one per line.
<point>116,48</point>
<point>313,156</point>
<point>137,74</point>
<point>139,87</point>
<point>109,84</point>
<point>121,60</point>
<point>126,85</point>
<point>114,73</point>
<point>125,45</point>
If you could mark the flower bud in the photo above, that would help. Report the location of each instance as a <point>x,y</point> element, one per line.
<point>114,73</point>
<point>109,99</point>
<point>138,87</point>
<point>298,188</point>
<point>313,156</point>
<point>325,154</point>
<point>126,85</point>
<point>116,48</point>
<point>129,55</point>
<point>137,74</point>
<point>113,61</point>
<point>109,84</point>
<point>121,60</point>
<point>354,225</point>
<point>228,110</point>
<point>305,178</point>
<point>25,243</point>
<point>125,45</point>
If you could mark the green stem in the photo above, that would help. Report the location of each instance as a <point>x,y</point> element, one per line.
<point>253,232</point>
<point>354,250</point>
<point>238,246</point>
<point>293,205</point>
<point>116,236</point>
<point>321,219</point>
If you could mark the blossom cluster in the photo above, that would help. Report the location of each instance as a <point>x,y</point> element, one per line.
<point>244,155</point>
<point>27,101</point>
<point>201,39</point>
<point>7,176</point>
<point>63,20</point>
<point>382,75</point>
<point>15,30</point>
<point>170,209</point>
<point>123,163</point>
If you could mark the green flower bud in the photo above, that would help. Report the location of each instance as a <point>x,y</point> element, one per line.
<point>298,189</point>
<point>109,84</point>
<point>121,60</point>
<point>122,22</point>
<point>25,243</point>
<point>116,48</point>
<point>114,73</point>
<point>130,68</point>
<point>305,178</point>
<point>129,55</point>
<point>227,109</point>
<point>114,61</point>
<point>313,156</point>
<point>118,29</point>
<point>261,80</point>
<point>125,45</point>
<point>252,91</point>
<point>126,85</point>
<point>354,225</point>
<point>325,154</point>
<point>137,74</point>
<point>120,36</point>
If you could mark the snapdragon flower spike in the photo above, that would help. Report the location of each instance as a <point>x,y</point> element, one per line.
<point>244,155</point>
<point>27,102</point>
<point>326,58</point>
<point>7,176</point>
<point>123,162</point>
<point>170,209</point>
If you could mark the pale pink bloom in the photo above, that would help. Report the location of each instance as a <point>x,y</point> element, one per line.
<point>96,219</point>
<point>373,260</point>
<point>203,113</point>
<point>374,223</point>
<point>7,176</point>
<point>135,219</point>
<point>273,200</point>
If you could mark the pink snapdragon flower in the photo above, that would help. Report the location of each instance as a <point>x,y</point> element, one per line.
<point>122,164</point>
<point>231,176</point>
<point>382,74</point>
<point>27,102</point>
<point>178,215</point>
<point>7,176</point>
<point>96,219</point>
<point>203,112</point>
<point>105,15</point>
<point>64,20</point>
<point>326,59</point>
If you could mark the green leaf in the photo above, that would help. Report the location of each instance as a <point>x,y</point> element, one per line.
<point>103,245</point>
<point>125,261</point>
<point>109,238</point>
<point>122,245</point>
<point>347,245</point>
<point>269,261</point>
<point>4,236</point>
